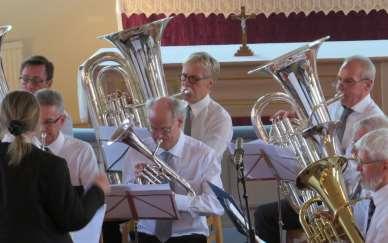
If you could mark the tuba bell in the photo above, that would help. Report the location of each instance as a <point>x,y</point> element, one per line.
<point>118,83</point>
<point>311,136</point>
<point>3,82</point>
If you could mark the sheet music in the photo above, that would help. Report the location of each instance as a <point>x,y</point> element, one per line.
<point>114,151</point>
<point>92,231</point>
<point>127,201</point>
<point>255,166</point>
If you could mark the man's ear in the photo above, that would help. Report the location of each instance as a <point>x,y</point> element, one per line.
<point>210,84</point>
<point>62,119</point>
<point>49,83</point>
<point>180,122</point>
<point>369,85</point>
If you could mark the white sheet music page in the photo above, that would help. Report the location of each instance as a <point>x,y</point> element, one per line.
<point>154,201</point>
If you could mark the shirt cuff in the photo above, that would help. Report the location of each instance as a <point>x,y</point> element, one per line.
<point>183,202</point>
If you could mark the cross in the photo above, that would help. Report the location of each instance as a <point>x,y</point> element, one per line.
<point>244,49</point>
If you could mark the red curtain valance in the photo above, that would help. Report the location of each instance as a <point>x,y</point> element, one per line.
<point>197,29</point>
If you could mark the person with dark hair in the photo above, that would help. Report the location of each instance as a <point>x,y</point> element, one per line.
<point>36,194</point>
<point>36,73</point>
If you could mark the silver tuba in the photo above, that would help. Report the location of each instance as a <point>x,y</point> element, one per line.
<point>118,83</point>
<point>3,82</point>
<point>319,185</point>
<point>159,171</point>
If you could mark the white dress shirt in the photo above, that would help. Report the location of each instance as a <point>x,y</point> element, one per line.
<point>366,107</point>
<point>80,158</point>
<point>196,163</point>
<point>377,232</point>
<point>211,124</point>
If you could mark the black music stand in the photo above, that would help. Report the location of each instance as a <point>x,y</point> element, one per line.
<point>264,161</point>
<point>134,201</point>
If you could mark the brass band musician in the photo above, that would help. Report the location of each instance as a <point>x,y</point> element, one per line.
<point>191,159</point>
<point>355,81</point>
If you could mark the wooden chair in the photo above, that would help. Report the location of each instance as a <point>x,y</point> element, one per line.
<point>215,229</point>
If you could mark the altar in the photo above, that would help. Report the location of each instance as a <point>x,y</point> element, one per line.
<point>237,91</point>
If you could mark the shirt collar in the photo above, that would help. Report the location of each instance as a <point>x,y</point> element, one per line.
<point>380,196</point>
<point>196,108</point>
<point>362,105</point>
<point>56,146</point>
<point>177,149</point>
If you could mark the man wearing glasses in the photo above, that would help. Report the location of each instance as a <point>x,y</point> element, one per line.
<point>206,120</point>
<point>355,81</point>
<point>193,160</point>
<point>372,152</point>
<point>36,73</point>
<point>79,155</point>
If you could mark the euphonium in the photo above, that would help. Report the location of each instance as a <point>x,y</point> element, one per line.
<point>159,171</point>
<point>3,82</point>
<point>139,67</point>
<point>311,137</point>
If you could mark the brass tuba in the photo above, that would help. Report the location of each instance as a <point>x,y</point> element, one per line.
<point>117,84</point>
<point>319,184</point>
<point>3,82</point>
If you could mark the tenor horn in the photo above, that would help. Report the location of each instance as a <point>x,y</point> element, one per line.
<point>3,82</point>
<point>311,137</point>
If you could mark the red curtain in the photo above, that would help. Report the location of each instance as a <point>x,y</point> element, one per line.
<point>197,29</point>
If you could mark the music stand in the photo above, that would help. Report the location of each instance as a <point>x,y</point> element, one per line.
<point>264,161</point>
<point>232,210</point>
<point>134,201</point>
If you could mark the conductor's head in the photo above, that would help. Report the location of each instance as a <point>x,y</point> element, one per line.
<point>19,116</point>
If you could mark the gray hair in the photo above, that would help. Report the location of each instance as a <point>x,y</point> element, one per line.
<point>369,69</point>
<point>50,97</point>
<point>177,107</point>
<point>207,61</point>
<point>370,123</point>
<point>375,144</point>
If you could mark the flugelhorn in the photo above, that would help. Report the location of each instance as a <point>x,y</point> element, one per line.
<point>311,137</point>
<point>159,171</point>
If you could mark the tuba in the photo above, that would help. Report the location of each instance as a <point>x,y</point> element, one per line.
<point>118,83</point>
<point>318,194</point>
<point>3,82</point>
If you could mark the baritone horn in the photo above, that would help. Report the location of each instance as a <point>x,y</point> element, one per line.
<point>319,185</point>
<point>118,83</point>
<point>3,82</point>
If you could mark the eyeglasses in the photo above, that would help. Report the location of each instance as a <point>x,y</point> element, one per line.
<point>164,130</point>
<point>350,81</point>
<point>33,80</point>
<point>191,78</point>
<point>50,122</point>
